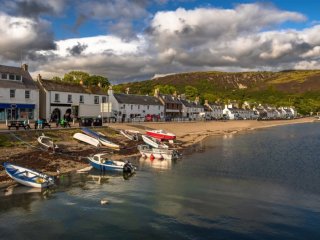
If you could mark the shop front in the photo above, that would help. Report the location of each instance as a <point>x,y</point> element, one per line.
<point>10,111</point>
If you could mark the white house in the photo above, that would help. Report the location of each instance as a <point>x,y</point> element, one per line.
<point>61,99</point>
<point>190,109</point>
<point>19,94</point>
<point>128,107</point>
<point>230,112</point>
<point>214,111</point>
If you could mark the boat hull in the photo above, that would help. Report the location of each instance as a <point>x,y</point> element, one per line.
<point>161,136</point>
<point>153,143</point>
<point>87,139</point>
<point>125,167</point>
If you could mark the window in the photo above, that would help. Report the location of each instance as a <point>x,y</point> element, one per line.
<point>4,76</point>
<point>138,106</point>
<point>69,98</point>
<point>148,107</point>
<point>18,77</point>
<point>96,99</point>
<point>131,106</point>
<point>27,94</point>
<point>159,107</point>
<point>12,93</point>
<point>11,76</point>
<point>104,99</point>
<point>81,100</point>
<point>56,97</point>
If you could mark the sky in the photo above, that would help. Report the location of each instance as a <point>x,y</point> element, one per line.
<point>139,39</point>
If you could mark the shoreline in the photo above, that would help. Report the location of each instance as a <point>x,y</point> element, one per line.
<point>188,134</point>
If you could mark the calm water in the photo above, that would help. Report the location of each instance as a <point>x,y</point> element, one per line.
<point>261,185</point>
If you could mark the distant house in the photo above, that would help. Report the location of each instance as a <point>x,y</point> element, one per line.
<point>19,94</point>
<point>172,105</point>
<point>214,111</point>
<point>126,107</point>
<point>66,100</point>
<point>191,109</point>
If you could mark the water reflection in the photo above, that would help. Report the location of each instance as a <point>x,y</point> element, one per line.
<point>155,163</point>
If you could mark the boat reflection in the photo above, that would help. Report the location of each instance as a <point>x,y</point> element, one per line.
<point>155,163</point>
<point>103,177</point>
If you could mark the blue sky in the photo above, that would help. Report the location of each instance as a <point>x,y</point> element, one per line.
<point>129,40</point>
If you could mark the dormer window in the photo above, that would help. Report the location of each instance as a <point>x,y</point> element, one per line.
<point>11,76</point>
<point>4,76</point>
<point>18,77</point>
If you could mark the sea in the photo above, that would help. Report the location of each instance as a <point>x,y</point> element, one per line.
<point>261,184</point>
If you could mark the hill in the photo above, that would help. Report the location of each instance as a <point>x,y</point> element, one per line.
<point>300,88</point>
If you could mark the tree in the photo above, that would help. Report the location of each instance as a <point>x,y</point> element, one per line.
<point>95,80</point>
<point>166,89</point>
<point>76,76</point>
<point>191,92</point>
<point>56,78</point>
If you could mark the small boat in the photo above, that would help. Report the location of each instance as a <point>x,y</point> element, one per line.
<point>157,153</point>
<point>130,134</point>
<point>161,134</point>
<point>101,163</point>
<point>100,137</point>
<point>47,142</point>
<point>28,177</point>
<point>87,139</point>
<point>153,142</point>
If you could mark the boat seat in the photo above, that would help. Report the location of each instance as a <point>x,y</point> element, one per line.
<point>20,173</point>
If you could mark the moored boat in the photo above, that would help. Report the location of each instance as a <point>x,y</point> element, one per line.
<point>130,134</point>
<point>98,161</point>
<point>161,134</point>
<point>101,138</point>
<point>47,142</point>
<point>86,139</point>
<point>153,142</point>
<point>28,177</point>
<point>158,153</point>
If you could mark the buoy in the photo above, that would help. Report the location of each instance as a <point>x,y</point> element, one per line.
<point>104,201</point>
<point>152,157</point>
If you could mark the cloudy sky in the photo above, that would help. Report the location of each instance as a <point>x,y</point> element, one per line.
<point>128,40</point>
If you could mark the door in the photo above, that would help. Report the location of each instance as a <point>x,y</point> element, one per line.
<point>12,113</point>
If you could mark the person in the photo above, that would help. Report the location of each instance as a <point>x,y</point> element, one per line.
<point>26,124</point>
<point>40,122</point>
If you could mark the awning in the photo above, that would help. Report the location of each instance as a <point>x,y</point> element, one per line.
<point>17,105</point>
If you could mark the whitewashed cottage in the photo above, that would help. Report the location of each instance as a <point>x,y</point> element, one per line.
<point>19,94</point>
<point>213,111</point>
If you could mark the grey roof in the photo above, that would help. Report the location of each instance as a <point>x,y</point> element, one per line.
<point>191,104</point>
<point>26,83</point>
<point>59,86</point>
<point>136,99</point>
<point>169,98</point>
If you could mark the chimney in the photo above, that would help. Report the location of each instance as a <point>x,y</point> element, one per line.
<point>206,102</point>
<point>81,82</point>
<point>197,100</point>
<point>110,91</point>
<point>39,77</point>
<point>24,67</point>
<point>175,94</point>
<point>99,84</point>
<point>156,92</point>
<point>127,90</point>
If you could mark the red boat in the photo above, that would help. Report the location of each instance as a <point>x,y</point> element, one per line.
<point>161,134</point>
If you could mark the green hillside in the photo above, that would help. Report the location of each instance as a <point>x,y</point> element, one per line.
<point>298,88</point>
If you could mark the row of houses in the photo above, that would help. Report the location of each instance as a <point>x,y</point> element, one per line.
<point>21,97</point>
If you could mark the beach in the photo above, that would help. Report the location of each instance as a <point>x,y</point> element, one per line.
<point>23,149</point>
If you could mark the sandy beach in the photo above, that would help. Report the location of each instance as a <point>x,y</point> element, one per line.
<point>72,155</point>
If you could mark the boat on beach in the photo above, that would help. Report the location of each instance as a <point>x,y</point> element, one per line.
<point>161,134</point>
<point>98,161</point>
<point>87,139</point>
<point>101,138</point>
<point>153,142</point>
<point>130,134</point>
<point>157,153</point>
<point>28,177</point>
<point>47,142</point>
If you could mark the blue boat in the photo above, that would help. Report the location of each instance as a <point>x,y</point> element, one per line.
<point>100,137</point>
<point>103,164</point>
<point>28,177</point>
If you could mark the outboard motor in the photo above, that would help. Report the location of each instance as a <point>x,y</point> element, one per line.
<point>128,168</point>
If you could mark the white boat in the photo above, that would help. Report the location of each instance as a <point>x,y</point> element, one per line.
<point>28,177</point>
<point>153,142</point>
<point>157,153</point>
<point>87,139</point>
<point>130,134</point>
<point>100,137</point>
<point>156,163</point>
<point>47,142</point>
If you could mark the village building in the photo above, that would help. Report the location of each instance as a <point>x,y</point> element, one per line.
<point>19,94</point>
<point>172,105</point>
<point>191,109</point>
<point>131,107</point>
<point>63,100</point>
<point>213,111</point>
